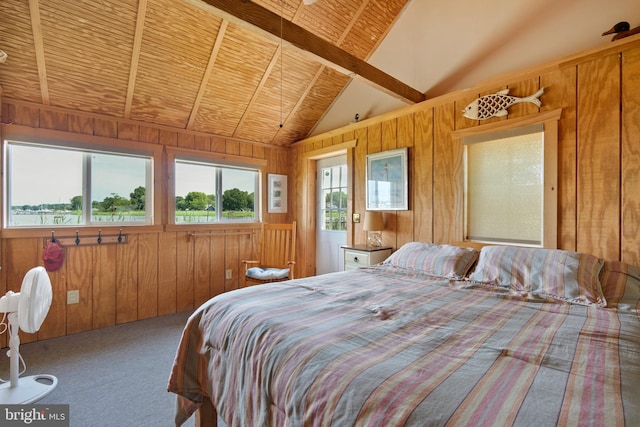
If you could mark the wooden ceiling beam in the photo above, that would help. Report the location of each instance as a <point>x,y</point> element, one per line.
<point>207,73</point>
<point>36,27</point>
<point>270,25</point>
<point>135,57</point>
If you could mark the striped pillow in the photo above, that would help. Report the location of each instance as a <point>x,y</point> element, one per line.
<point>620,284</point>
<point>447,261</point>
<point>565,275</point>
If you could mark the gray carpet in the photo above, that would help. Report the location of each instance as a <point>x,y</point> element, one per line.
<point>114,376</point>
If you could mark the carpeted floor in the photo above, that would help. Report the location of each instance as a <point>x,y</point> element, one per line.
<point>114,376</point>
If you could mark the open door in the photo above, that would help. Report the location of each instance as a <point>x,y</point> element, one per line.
<point>331,231</point>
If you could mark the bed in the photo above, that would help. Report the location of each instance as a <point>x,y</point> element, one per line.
<point>436,335</point>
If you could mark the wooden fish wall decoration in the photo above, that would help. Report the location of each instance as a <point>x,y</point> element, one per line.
<point>496,104</point>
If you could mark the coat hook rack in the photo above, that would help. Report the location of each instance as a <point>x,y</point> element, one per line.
<point>99,239</point>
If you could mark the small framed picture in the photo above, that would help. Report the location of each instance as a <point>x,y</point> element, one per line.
<point>277,200</point>
<point>387,181</point>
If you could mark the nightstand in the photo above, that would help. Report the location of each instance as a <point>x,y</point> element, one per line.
<point>357,256</point>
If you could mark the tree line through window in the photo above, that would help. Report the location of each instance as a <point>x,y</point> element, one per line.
<point>207,192</point>
<point>69,186</point>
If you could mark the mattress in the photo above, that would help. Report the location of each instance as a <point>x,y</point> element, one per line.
<point>397,345</point>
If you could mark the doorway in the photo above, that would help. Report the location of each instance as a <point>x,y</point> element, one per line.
<point>331,202</point>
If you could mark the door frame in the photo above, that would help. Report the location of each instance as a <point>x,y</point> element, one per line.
<point>310,162</point>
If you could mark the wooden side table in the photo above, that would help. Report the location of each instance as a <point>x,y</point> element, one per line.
<point>357,256</point>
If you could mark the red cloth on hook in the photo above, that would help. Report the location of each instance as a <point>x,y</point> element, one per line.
<point>53,256</point>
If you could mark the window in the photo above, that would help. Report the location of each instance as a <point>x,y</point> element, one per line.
<point>334,195</point>
<point>504,183</point>
<point>510,181</point>
<point>209,193</point>
<point>69,186</point>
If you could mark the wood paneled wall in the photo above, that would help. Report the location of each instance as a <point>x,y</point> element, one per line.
<point>167,270</point>
<point>598,156</point>
<point>160,271</point>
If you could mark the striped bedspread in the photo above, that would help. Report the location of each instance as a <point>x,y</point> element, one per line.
<point>383,346</point>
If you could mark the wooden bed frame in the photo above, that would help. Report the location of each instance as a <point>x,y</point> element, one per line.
<point>206,415</point>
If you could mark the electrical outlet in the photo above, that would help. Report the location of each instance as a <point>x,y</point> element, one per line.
<point>227,274</point>
<point>73,297</point>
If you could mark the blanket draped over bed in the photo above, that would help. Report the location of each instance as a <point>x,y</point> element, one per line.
<point>387,346</point>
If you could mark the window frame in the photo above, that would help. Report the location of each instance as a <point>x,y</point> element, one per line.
<point>82,142</point>
<point>215,159</point>
<point>549,120</point>
<point>340,209</point>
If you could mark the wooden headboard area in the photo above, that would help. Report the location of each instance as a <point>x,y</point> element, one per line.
<point>470,244</point>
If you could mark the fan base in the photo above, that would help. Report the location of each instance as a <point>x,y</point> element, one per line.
<point>29,389</point>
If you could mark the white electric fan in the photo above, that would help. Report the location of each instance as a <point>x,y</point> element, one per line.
<point>26,310</point>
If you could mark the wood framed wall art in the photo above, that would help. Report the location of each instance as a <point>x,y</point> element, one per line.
<point>277,200</point>
<point>387,181</point>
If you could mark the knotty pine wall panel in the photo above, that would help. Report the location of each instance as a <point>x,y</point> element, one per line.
<point>217,265</point>
<point>184,266</point>
<point>167,273</point>
<point>147,275</point>
<point>421,186</point>
<point>220,246</point>
<point>389,137</point>
<point>128,131</point>
<point>186,141</point>
<point>148,134</point>
<point>405,219</point>
<point>80,276</point>
<point>389,141</point>
<point>127,281</point>
<point>599,157</point>
<point>231,261</point>
<point>103,290</point>
<point>105,127</point>
<point>631,157</point>
<point>201,268</point>
<point>53,120</point>
<point>155,273</point>
<point>374,139</point>
<point>447,174</point>
<point>80,124</point>
<point>560,92</point>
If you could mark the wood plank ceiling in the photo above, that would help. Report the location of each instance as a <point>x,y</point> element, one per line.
<point>190,65</point>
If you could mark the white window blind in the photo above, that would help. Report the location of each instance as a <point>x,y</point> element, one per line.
<point>504,177</point>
